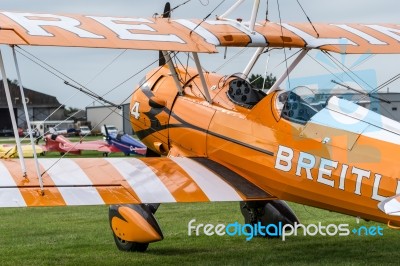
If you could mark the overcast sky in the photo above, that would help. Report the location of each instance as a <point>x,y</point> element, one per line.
<point>83,64</point>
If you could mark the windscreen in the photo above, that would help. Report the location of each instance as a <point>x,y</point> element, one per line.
<point>298,105</point>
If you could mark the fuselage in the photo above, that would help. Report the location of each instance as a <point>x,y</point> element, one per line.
<point>334,160</point>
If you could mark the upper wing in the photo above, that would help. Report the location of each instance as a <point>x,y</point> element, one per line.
<point>98,32</point>
<point>95,181</point>
<point>344,38</point>
<point>191,35</point>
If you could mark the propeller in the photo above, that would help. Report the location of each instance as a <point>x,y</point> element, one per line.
<point>161,62</point>
<point>167,10</point>
<point>165,14</point>
<point>106,131</point>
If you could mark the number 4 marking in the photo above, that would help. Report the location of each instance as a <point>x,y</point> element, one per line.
<point>135,110</point>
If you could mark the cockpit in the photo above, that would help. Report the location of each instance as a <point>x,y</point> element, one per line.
<point>297,105</point>
<point>242,93</point>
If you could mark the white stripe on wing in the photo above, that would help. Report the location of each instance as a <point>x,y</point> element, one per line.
<point>212,185</point>
<point>143,180</point>
<point>9,197</point>
<point>72,182</point>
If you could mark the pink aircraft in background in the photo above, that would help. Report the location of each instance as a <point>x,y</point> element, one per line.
<point>63,145</point>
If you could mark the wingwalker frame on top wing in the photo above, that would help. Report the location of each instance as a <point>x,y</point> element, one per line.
<point>222,139</point>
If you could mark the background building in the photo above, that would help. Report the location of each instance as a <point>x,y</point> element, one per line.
<point>40,106</point>
<point>100,115</point>
<point>386,104</point>
<point>391,110</point>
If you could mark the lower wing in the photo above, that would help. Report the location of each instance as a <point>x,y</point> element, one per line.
<point>96,181</point>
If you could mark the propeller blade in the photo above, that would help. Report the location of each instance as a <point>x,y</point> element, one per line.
<point>167,10</point>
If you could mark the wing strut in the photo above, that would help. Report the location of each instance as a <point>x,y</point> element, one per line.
<point>288,70</point>
<point>28,122</point>
<point>253,17</point>
<point>13,120</point>
<point>203,80</point>
<point>12,114</point>
<point>252,61</point>
<point>231,9</point>
<point>173,71</point>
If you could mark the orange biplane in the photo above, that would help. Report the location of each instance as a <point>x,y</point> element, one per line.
<point>213,137</point>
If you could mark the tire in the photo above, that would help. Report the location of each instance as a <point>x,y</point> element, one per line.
<point>130,246</point>
<point>268,212</point>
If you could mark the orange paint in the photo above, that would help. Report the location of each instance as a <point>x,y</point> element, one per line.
<point>176,180</point>
<point>111,186</point>
<point>135,228</point>
<point>29,187</point>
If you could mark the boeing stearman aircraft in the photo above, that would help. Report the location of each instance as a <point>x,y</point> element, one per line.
<point>212,137</point>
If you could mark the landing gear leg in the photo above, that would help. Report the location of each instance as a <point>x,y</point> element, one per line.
<point>268,212</point>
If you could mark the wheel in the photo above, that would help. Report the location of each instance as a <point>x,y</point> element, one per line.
<point>130,246</point>
<point>268,212</point>
<point>135,230</point>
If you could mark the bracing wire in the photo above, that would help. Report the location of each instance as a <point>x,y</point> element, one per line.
<point>287,59</point>
<point>104,68</point>
<point>240,52</point>
<point>131,77</point>
<point>125,99</point>
<point>56,75</point>
<point>206,17</point>
<point>345,69</point>
<point>53,70</point>
<point>60,75</point>
<point>308,18</point>
<point>178,6</point>
<point>283,40</point>
<point>206,2</point>
<point>166,15</point>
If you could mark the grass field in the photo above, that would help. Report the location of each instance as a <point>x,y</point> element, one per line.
<point>81,236</point>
